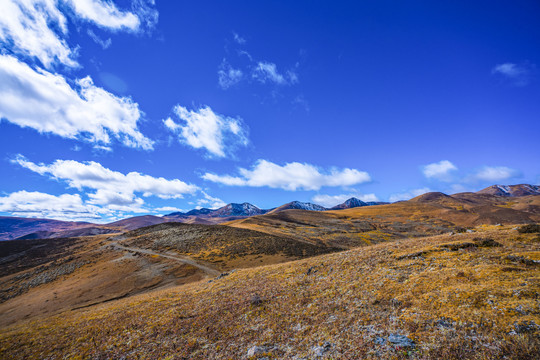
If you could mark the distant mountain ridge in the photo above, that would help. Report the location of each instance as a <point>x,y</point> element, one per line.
<point>511,190</point>
<point>28,228</point>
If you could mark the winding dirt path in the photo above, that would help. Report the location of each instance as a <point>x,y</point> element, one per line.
<point>183,259</point>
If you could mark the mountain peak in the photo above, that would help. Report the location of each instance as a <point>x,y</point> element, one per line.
<point>302,206</point>
<point>349,204</point>
<point>511,190</point>
<point>234,209</point>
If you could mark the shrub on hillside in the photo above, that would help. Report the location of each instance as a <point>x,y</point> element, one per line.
<point>529,228</point>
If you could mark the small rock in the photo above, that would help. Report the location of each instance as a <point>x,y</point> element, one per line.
<point>321,350</point>
<point>380,340</point>
<point>256,350</point>
<point>255,300</point>
<point>525,327</point>
<point>222,275</point>
<point>444,323</point>
<point>400,340</point>
<point>469,231</point>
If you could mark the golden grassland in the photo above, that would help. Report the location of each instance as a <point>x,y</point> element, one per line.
<point>473,295</point>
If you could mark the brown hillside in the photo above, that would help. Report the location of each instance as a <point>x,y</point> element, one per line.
<point>466,296</point>
<point>40,277</point>
<point>428,214</point>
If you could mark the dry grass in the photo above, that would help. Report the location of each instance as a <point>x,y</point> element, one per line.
<point>460,296</point>
<point>222,246</point>
<point>428,214</point>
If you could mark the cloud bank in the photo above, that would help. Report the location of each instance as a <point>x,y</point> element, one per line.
<point>113,189</point>
<point>291,176</point>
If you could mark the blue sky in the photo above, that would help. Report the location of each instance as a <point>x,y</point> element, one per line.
<point>112,109</point>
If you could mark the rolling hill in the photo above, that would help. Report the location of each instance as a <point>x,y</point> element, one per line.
<point>45,276</point>
<point>461,296</point>
<point>428,214</point>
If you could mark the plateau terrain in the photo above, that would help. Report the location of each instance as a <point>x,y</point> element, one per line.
<point>438,276</point>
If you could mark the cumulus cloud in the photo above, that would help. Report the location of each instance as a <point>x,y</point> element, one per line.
<point>46,102</point>
<point>408,194</point>
<point>519,75</point>
<point>495,173</point>
<point>440,170</point>
<point>292,176</point>
<point>267,72</point>
<point>329,201</point>
<point>111,188</point>
<point>217,134</point>
<point>228,76</point>
<point>61,207</point>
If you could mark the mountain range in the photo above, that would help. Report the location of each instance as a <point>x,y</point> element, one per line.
<point>433,257</point>
<point>25,228</point>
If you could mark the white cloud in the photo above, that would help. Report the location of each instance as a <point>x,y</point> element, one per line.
<point>210,202</point>
<point>291,176</point>
<point>37,204</point>
<point>408,195</point>
<point>495,173</point>
<point>105,14</point>
<point>267,72</point>
<point>38,28</point>
<point>240,40</point>
<point>329,201</point>
<point>519,75</point>
<point>47,103</point>
<point>111,188</point>
<point>228,76</point>
<point>219,135</point>
<point>249,69</point>
<point>105,44</point>
<point>440,170</point>
<point>25,27</point>
<point>168,209</point>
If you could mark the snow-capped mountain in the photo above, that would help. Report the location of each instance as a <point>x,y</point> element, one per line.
<point>299,206</point>
<point>245,209</point>
<point>511,190</point>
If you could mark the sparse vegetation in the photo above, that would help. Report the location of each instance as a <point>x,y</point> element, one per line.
<point>452,301</point>
<point>529,228</point>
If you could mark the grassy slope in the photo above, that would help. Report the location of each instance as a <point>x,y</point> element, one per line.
<point>223,247</point>
<point>480,291</point>
<point>429,214</point>
<point>43,277</point>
